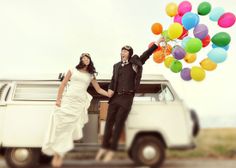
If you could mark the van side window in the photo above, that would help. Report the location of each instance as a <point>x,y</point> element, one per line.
<point>154,92</point>
<point>35,92</point>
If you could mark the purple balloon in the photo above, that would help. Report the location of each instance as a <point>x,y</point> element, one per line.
<point>185,74</point>
<point>178,52</point>
<point>200,31</point>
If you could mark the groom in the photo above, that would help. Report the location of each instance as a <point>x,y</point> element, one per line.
<point>125,81</point>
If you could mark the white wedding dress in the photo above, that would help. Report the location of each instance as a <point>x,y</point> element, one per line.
<point>67,121</point>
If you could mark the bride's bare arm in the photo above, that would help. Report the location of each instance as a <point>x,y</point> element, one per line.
<point>98,88</point>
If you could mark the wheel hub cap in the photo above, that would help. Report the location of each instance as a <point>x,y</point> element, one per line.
<point>149,152</point>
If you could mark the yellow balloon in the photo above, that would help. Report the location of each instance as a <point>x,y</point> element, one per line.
<point>197,73</point>
<point>171,9</point>
<point>168,61</point>
<point>175,30</point>
<point>190,58</point>
<point>208,65</point>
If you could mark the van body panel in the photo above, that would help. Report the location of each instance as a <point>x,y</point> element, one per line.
<point>170,117</point>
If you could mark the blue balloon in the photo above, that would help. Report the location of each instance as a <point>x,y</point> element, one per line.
<point>225,47</point>
<point>184,41</point>
<point>216,13</point>
<point>217,55</point>
<point>190,20</point>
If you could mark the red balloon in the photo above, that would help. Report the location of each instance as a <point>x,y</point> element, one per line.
<point>184,34</point>
<point>206,41</point>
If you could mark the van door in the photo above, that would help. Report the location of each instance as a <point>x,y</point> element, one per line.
<point>156,109</point>
<point>28,113</point>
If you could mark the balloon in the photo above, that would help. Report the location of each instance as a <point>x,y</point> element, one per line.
<point>221,39</point>
<point>151,44</point>
<point>217,55</point>
<point>156,28</point>
<point>200,31</point>
<point>165,35</point>
<point>168,61</point>
<point>225,47</point>
<point>185,74</point>
<point>206,41</point>
<point>184,34</point>
<point>178,19</point>
<point>190,58</point>
<point>227,20</point>
<point>197,73</point>
<point>208,65</point>
<point>178,52</point>
<point>171,9</point>
<point>167,49</point>
<point>216,13</point>
<point>193,45</point>
<point>184,7</point>
<point>175,30</point>
<point>190,20</point>
<point>158,57</point>
<point>204,8</point>
<point>176,66</point>
<point>184,41</point>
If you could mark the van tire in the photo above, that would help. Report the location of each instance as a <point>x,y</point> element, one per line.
<point>152,147</point>
<point>22,157</point>
<point>196,125</point>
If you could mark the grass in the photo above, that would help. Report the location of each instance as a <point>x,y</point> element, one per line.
<point>211,143</point>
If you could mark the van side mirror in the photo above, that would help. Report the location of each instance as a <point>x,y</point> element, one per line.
<point>61,76</point>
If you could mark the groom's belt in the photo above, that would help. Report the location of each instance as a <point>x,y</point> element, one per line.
<point>131,92</point>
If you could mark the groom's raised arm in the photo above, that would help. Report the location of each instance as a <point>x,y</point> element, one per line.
<point>149,51</point>
<point>144,57</point>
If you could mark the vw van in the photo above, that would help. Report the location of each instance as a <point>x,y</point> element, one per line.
<point>159,120</point>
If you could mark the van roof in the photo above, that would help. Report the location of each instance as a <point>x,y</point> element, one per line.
<point>55,77</point>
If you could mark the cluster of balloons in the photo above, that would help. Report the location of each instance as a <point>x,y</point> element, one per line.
<point>184,21</point>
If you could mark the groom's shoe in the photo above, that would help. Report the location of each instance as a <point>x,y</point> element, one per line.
<point>100,153</point>
<point>108,157</point>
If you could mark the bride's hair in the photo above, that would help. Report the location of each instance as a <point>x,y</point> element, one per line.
<point>91,69</point>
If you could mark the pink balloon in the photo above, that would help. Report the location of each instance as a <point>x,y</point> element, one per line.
<point>178,19</point>
<point>226,20</point>
<point>184,7</point>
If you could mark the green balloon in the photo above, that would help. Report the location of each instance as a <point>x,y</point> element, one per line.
<point>193,45</point>
<point>221,39</point>
<point>165,35</point>
<point>176,66</point>
<point>204,8</point>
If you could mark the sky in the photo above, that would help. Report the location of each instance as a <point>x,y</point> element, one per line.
<point>48,36</point>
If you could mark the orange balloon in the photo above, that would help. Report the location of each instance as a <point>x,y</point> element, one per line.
<point>158,57</point>
<point>157,28</point>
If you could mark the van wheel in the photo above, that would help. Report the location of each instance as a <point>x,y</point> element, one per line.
<point>196,125</point>
<point>22,157</point>
<point>149,151</point>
